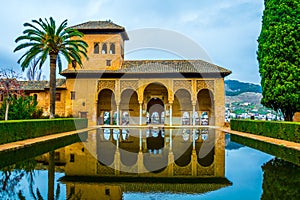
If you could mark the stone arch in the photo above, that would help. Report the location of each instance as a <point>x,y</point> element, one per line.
<point>157,93</point>
<point>205,103</point>
<point>106,84</point>
<point>128,84</point>
<point>106,103</point>
<point>205,147</point>
<point>166,83</point>
<point>129,103</point>
<point>182,104</point>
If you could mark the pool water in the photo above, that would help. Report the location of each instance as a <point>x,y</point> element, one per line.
<point>253,175</point>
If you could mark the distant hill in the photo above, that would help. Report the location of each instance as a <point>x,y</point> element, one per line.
<point>234,87</point>
<point>250,97</point>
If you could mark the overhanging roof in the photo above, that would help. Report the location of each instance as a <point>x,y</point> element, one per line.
<point>101,27</point>
<point>154,68</point>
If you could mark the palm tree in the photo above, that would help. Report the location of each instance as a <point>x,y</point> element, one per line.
<point>43,38</point>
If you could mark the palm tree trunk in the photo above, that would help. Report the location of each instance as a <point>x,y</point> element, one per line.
<point>51,176</point>
<point>52,84</point>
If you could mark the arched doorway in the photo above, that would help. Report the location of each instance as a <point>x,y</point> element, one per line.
<point>129,107</point>
<point>182,107</point>
<point>155,98</point>
<point>205,107</point>
<point>106,107</point>
<point>155,108</point>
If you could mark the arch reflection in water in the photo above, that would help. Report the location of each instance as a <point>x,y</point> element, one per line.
<point>154,151</point>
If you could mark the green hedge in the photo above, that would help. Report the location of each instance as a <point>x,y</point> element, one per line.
<point>15,130</point>
<point>276,129</point>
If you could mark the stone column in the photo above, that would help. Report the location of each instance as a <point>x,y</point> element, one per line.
<point>117,162</point>
<point>141,141</point>
<point>194,142</point>
<point>171,155</point>
<point>141,113</point>
<point>140,155</point>
<point>194,163</point>
<point>194,110</point>
<point>219,162</point>
<point>171,113</point>
<point>118,114</point>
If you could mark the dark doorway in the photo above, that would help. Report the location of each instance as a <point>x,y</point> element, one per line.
<point>155,108</point>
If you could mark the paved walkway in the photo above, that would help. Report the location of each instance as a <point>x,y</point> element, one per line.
<point>288,144</point>
<point>24,143</point>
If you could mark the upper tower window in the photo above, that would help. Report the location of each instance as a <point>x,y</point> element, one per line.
<point>104,48</point>
<point>96,48</point>
<point>112,49</point>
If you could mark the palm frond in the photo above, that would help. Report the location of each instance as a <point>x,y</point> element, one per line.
<point>62,26</point>
<point>24,45</point>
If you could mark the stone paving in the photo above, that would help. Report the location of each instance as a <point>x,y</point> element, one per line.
<point>288,144</point>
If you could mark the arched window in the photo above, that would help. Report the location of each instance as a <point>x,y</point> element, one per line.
<point>112,49</point>
<point>104,49</point>
<point>96,48</point>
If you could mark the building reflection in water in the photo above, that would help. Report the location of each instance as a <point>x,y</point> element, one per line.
<point>154,152</point>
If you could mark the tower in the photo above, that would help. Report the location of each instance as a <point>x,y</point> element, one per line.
<point>105,45</point>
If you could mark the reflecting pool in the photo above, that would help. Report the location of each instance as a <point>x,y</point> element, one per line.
<point>152,163</point>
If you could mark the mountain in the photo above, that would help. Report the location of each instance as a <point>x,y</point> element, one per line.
<point>234,87</point>
<point>237,91</point>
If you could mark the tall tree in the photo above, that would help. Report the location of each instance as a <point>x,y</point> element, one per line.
<point>279,56</point>
<point>44,38</point>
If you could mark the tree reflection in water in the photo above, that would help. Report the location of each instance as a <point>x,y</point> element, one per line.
<point>281,180</point>
<point>10,177</point>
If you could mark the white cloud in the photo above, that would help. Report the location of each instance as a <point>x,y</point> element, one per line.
<point>226,29</point>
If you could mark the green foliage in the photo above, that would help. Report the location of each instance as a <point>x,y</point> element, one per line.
<point>43,38</point>
<point>276,129</point>
<point>15,130</point>
<point>281,180</point>
<point>234,87</point>
<point>22,107</point>
<point>279,57</point>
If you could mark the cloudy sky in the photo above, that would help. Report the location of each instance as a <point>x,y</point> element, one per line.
<point>227,30</point>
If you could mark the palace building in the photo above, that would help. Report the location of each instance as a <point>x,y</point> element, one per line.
<point>111,90</point>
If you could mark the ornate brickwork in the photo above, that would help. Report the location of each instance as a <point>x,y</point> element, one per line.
<point>205,85</point>
<point>129,84</point>
<point>183,171</point>
<point>182,84</point>
<point>205,171</point>
<point>106,84</point>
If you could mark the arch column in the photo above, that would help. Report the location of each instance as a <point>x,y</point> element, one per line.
<point>118,114</point>
<point>194,110</point>
<point>140,93</point>
<point>141,113</point>
<point>171,113</point>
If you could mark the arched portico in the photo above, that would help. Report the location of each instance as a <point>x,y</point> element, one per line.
<point>155,99</point>
<point>182,107</point>
<point>129,105</point>
<point>106,107</point>
<point>205,107</point>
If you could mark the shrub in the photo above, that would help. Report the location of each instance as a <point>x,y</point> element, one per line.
<point>14,130</point>
<point>276,129</point>
<point>22,107</point>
